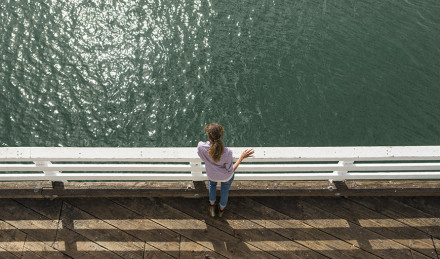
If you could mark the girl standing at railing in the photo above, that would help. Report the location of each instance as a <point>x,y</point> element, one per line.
<point>219,165</point>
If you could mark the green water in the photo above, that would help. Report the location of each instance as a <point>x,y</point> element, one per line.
<point>274,73</point>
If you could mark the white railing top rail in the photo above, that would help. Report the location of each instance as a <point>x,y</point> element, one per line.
<point>175,164</point>
<point>189,154</point>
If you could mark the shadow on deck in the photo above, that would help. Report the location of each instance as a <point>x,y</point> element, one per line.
<point>257,227</point>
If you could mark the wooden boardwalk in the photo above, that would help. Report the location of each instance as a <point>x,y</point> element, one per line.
<point>258,227</point>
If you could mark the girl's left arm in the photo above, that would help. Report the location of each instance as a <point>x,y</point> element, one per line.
<point>247,153</point>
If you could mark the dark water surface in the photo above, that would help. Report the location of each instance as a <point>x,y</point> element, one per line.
<point>274,73</point>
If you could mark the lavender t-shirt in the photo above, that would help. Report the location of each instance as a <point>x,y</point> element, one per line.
<point>221,171</point>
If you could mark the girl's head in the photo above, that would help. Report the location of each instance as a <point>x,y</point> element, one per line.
<point>215,133</point>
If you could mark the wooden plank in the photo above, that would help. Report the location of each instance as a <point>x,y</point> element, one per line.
<point>28,221</point>
<point>253,217</point>
<point>153,252</point>
<point>72,239</point>
<point>360,237</point>
<point>109,238</point>
<point>189,249</point>
<point>198,209</point>
<point>28,235</point>
<point>390,188</point>
<point>436,243</point>
<point>210,237</point>
<point>30,189</point>
<point>425,222</point>
<point>51,209</point>
<point>387,227</point>
<point>276,188</point>
<point>244,229</point>
<point>8,255</point>
<point>313,238</point>
<point>321,188</point>
<point>123,189</point>
<point>239,188</point>
<point>39,249</point>
<point>165,242</point>
<point>384,184</point>
<point>429,205</point>
<point>243,187</point>
<point>11,240</point>
<point>155,185</point>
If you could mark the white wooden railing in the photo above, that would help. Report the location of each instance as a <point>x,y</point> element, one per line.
<point>176,164</point>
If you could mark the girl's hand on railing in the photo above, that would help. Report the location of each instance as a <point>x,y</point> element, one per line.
<point>247,153</point>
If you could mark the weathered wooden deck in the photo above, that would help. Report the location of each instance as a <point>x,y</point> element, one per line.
<point>258,227</point>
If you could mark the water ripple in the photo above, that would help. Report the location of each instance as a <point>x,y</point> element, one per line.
<point>153,73</point>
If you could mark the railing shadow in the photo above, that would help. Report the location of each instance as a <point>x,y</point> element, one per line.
<point>259,227</point>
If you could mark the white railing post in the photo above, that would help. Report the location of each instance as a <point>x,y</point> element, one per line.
<point>341,174</point>
<point>50,175</point>
<point>196,171</point>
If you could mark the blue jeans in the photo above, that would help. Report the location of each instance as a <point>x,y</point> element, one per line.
<point>224,192</point>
